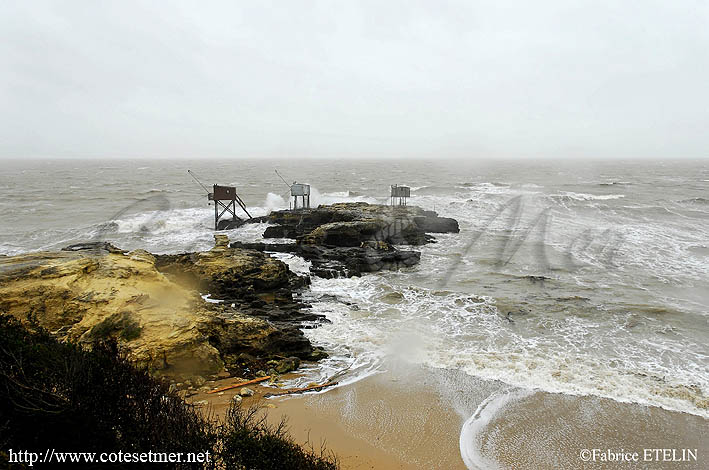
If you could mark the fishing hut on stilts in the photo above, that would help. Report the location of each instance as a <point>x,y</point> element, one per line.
<point>399,194</point>
<point>225,201</point>
<point>298,191</point>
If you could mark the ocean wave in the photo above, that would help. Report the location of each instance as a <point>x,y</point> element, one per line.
<point>374,317</point>
<point>470,433</point>
<point>615,183</point>
<point>498,184</point>
<point>317,198</point>
<point>586,197</point>
<point>343,194</point>
<point>432,190</point>
<point>695,200</point>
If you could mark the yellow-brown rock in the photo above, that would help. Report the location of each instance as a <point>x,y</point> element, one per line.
<point>98,293</point>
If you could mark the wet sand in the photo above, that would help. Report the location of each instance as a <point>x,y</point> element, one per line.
<point>410,417</point>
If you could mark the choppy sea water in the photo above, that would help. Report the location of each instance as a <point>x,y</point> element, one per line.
<point>577,278</point>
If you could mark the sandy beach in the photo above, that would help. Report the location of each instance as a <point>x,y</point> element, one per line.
<point>409,417</point>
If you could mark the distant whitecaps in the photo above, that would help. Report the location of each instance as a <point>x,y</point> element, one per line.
<point>588,197</point>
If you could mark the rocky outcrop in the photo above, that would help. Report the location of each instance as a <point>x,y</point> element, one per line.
<point>430,222</point>
<point>332,262</point>
<point>348,239</point>
<point>152,306</point>
<point>350,224</point>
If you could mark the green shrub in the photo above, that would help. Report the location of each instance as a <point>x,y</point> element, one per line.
<point>119,324</point>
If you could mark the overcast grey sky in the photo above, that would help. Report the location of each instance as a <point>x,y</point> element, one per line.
<point>619,79</point>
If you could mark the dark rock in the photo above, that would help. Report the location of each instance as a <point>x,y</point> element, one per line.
<point>331,262</point>
<point>287,365</point>
<point>336,261</point>
<point>317,354</point>
<point>430,222</point>
<point>349,239</point>
<point>349,224</point>
<point>94,246</point>
<point>229,224</point>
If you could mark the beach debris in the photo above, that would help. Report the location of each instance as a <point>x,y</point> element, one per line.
<point>293,391</point>
<point>240,384</point>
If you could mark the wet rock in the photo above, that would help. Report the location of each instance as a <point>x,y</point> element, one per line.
<point>230,224</point>
<point>350,239</point>
<point>246,392</point>
<point>430,222</point>
<point>349,224</point>
<point>287,365</point>
<point>334,262</point>
<point>197,381</point>
<point>94,246</point>
<point>317,354</point>
<point>392,297</point>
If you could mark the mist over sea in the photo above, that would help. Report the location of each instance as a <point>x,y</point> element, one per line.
<point>578,278</point>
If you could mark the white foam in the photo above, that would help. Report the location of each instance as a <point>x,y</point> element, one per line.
<point>296,264</point>
<point>208,298</point>
<point>275,202</point>
<point>590,197</point>
<point>317,198</point>
<point>469,440</point>
<point>578,355</point>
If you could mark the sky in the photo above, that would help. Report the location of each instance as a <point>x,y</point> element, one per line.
<point>354,79</point>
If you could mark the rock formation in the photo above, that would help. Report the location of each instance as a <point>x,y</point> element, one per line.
<point>152,306</point>
<point>348,239</point>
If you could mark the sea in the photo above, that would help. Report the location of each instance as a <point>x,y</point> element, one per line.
<point>587,278</point>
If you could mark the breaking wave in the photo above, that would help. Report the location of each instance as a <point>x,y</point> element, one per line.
<point>587,197</point>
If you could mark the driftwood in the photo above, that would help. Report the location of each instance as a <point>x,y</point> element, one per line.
<point>300,390</point>
<point>229,387</point>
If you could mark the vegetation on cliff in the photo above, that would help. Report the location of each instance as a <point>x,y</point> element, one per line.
<point>59,395</point>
